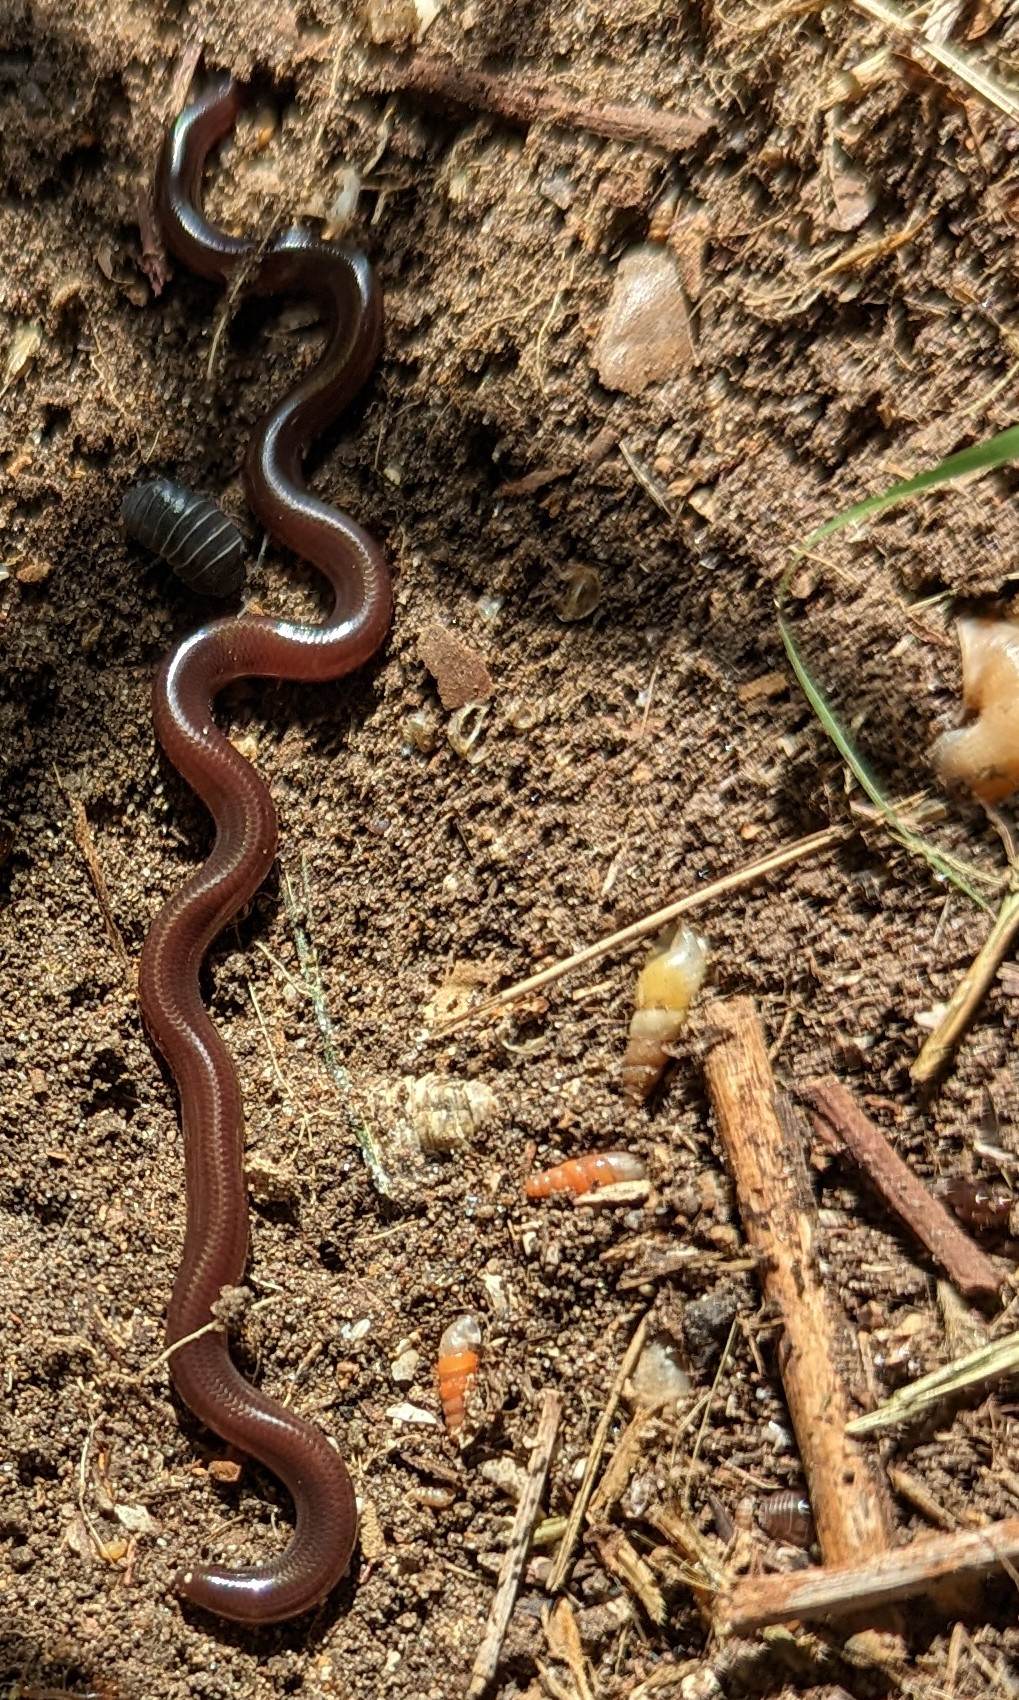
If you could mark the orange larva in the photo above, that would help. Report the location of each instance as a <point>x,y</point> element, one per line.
<point>666,987</point>
<point>456,1368</point>
<point>584,1174</point>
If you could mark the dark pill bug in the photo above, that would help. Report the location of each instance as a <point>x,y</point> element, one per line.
<point>190,533</point>
<point>786,1517</point>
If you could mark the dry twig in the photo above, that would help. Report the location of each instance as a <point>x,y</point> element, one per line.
<point>849,1589</point>
<point>564,1557</point>
<point>775,860</point>
<point>509,96</point>
<point>504,1599</point>
<point>935,1227</point>
<point>850,1501</point>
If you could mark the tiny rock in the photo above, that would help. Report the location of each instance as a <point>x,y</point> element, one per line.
<point>404,1368</point>
<point>34,572</point>
<point>460,674</point>
<point>645,334</point>
<point>226,1470</point>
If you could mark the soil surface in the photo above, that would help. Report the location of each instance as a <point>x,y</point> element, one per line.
<point>603,530</point>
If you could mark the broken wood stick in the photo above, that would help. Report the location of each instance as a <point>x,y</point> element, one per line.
<point>926,1217</point>
<point>510,96</point>
<point>515,1557</point>
<point>850,1500</point>
<point>854,1588</point>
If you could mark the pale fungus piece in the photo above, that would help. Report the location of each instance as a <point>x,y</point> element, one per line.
<point>645,334</point>
<point>666,987</point>
<point>660,1376</point>
<point>984,754</point>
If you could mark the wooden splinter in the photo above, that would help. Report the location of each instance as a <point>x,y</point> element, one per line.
<point>967,1266</point>
<point>904,1573</point>
<point>851,1505</point>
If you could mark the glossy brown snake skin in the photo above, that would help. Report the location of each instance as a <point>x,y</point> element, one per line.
<point>339,278</point>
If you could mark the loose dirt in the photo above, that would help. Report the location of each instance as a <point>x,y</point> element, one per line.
<point>845,249</point>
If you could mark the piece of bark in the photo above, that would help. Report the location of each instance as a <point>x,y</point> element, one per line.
<point>459,671</point>
<point>965,1264</point>
<point>923,1567</point>
<point>520,101</point>
<point>848,1495</point>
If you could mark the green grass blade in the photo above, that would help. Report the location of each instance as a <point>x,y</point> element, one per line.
<point>981,457</point>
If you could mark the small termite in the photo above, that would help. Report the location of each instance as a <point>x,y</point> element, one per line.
<point>585,1174</point>
<point>786,1517</point>
<point>980,1204</point>
<point>456,1367</point>
<point>666,987</point>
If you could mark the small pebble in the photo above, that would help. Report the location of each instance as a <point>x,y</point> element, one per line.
<point>645,334</point>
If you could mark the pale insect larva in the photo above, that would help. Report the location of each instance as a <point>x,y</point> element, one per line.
<point>457,1367</point>
<point>984,754</point>
<point>189,532</point>
<point>666,987</point>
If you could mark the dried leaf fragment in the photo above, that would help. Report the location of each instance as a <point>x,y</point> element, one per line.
<point>24,346</point>
<point>460,674</point>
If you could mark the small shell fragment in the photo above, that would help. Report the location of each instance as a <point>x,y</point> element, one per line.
<point>405,1413</point>
<point>457,1367</point>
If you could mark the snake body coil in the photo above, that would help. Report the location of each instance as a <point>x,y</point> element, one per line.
<point>340,279</point>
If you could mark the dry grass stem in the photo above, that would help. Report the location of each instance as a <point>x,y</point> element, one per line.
<point>504,1599</point>
<point>773,862</point>
<point>1001,1357</point>
<point>564,1557</point>
<point>938,1048</point>
<point>963,66</point>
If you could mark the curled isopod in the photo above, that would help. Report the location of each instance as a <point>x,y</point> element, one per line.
<point>190,533</point>
<point>457,1366</point>
<point>786,1517</point>
<point>666,987</point>
<point>585,1174</point>
<point>981,1204</point>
